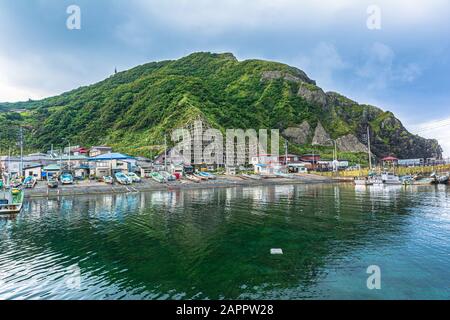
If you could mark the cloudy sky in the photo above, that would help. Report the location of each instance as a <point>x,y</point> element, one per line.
<point>403,67</point>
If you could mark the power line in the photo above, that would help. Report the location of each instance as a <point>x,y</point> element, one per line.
<point>433,128</point>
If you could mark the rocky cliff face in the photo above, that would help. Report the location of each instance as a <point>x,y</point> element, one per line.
<point>298,134</point>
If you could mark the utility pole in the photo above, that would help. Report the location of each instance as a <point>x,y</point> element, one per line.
<point>21,151</point>
<point>368,145</point>
<point>165,152</point>
<point>286,152</point>
<point>69,155</point>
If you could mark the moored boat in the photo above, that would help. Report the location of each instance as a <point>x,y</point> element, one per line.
<point>11,201</point>
<point>423,181</point>
<point>390,178</point>
<point>443,179</point>
<point>363,181</point>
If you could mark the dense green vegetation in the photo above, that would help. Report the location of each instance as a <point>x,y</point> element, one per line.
<point>132,110</point>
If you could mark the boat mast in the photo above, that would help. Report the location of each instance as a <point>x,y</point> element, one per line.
<point>286,152</point>
<point>165,152</point>
<point>368,148</point>
<point>21,151</point>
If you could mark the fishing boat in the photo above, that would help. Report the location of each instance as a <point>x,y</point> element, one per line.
<point>52,183</point>
<point>443,179</point>
<point>251,176</point>
<point>208,175</point>
<point>284,175</point>
<point>108,180</point>
<point>15,183</point>
<point>134,177</point>
<point>407,180</point>
<point>197,175</point>
<point>423,181</point>
<point>390,178</point>
<point>11,201</point>
<point>29,182</point>
<point>363,181</point>
<point>157,177</point>
<point>167,176</point>
<point>122,178</point>
<point>193,178</point>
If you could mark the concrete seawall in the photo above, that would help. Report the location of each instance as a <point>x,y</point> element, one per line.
<point>87,187</point>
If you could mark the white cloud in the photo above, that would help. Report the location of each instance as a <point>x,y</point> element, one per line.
<point>34,76</point>
<point>380,68</point>
<point>435,129</point>
<point>215,16</point>
<point>321,63</point>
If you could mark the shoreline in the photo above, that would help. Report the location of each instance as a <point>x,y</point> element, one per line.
<point>83,188</point>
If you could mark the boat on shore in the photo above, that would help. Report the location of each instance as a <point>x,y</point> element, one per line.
<point>11,201</point>
<point>193,178</point>
<point>199,176</point>
<point>157,177</point>
<point>29,182</point>
<point>208,175</point>
<point>167,176</point>
<point>252,176</point>
<point>122,178</point>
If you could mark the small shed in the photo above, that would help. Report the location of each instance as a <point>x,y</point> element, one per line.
<point>389,161</point>
<point>33,170</point>
<point>50,171</point>
<point>231,170</point>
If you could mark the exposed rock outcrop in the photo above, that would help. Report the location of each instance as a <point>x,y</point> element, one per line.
<point>321,137</point>
<point>312,94</point>
<point>298,134</point>
<point>350,143</point>
<point>276,74</point>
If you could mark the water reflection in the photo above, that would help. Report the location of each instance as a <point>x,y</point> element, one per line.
<point>214,243</point>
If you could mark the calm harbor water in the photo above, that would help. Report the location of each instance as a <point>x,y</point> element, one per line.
<point>215,244</point>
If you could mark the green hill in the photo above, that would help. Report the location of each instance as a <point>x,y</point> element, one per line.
<point>132,110</point>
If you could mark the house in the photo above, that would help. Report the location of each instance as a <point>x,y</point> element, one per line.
<point>99,150</point>
<point>173,157</point>
<point>80,151</point>
<point>299,167</point>
<point>52,170</point>
<point>72,161</point>
<point>110,163</point>
<point>82,171</point>
<point>33,170</point>
<point>310,158</point>
<point>144,167</point>
<point>389,161</point>
<point>12,164</point>
<point>289,158</point>
<point>264,159</point>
